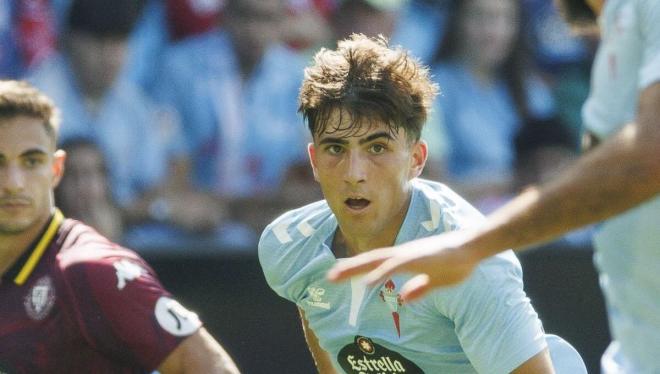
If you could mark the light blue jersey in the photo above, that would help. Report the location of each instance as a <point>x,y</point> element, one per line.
<point>628,246</point>
<point>485,325</point>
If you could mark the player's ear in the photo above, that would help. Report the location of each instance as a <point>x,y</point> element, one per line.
<point>418,155</point>
<point>311,152</point>
<point>59,158</point>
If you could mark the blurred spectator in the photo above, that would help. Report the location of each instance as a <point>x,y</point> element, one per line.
<point>83,192</point>
<point>490,94</point>
<point>308,24</point>
<point>101,100</point>
<point>191,17</point>
<point>27,34</point>
<point>235,89</point>
<point>368,17</point>
<point>420,27</point>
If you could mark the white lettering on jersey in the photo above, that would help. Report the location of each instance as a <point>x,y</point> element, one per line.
<point>126,271</point>
<point>306,229</point>
<point>316,296</point>
<point>434,208</point>
<point>174,318</point>
<point>281,232</point>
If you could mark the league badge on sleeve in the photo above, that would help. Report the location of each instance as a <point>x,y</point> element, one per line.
<point>393,300</point>
<point>176,319</point>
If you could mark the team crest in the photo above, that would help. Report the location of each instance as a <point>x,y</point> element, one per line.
<point>40,299</point>
<point>391,297</point>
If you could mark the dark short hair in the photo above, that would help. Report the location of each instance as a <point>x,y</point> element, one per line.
<point>19,98</point>
<point>105,18</point>
<point>368,80</point>
<point>578,14</point>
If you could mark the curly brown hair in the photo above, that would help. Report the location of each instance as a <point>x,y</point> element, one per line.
<point>19,98</point>
<point>367,79</point>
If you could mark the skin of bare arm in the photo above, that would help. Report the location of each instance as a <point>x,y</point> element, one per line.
<point>321,357</point>
<point>199,353</point>
<point>621,173</point>
<point>540,363</point>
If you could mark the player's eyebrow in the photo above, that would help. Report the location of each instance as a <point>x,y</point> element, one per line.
<point>370,138</point>
<point>34,152</point>
<point>374,136</point>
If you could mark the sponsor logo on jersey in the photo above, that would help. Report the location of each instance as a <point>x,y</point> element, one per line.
<point>316,298</point>
<point>391,297</point>
<point>126,272</point>
<point>174,318</point>
<point>40,298</point>
<point>364,356</point>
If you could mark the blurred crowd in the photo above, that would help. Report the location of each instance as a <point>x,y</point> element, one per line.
<point>180,118</point>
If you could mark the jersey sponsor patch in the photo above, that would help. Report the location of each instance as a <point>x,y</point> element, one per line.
<point>40,298</point>
<point>174,318</point>
<point>364,356</point>
<point>126,272</point>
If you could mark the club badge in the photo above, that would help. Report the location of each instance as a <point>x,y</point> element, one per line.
<point>40,298</point>
<point>391,297</point>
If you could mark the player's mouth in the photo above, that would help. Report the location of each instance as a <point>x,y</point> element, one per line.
<point>357,203</point>
<point>14,203</point>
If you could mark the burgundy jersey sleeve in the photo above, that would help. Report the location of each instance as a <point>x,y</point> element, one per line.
<point>123,310</point>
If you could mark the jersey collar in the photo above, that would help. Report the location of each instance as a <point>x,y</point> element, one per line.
<point>23,267</point>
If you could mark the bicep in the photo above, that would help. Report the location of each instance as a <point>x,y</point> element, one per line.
<point>198,353</point>
<point>538,364</point>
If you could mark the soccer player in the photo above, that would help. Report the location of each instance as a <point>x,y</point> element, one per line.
<point>618,181</point>
<point>365,104</point>
<point>70,300</point>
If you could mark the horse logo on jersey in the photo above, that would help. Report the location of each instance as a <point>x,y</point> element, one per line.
<point>363,356</point>
<point>393,300</point>
<point>40,299</point>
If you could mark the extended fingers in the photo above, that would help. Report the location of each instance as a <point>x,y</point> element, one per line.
<point>416,287</point>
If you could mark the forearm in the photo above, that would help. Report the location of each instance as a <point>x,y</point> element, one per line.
<point>621,173</point>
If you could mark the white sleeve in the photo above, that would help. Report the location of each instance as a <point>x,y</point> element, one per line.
<point>649,24</point>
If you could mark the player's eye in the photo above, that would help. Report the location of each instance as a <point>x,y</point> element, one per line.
<point>334,149</point>
<point>377,148</point>
<point>32,162</point>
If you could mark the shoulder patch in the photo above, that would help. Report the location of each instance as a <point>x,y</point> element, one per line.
<point>174,318</point>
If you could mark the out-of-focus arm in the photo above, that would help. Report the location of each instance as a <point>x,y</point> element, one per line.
<point>199,353</point>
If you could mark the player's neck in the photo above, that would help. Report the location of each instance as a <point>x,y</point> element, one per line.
<point>12,245</point>
<point>345,246</point>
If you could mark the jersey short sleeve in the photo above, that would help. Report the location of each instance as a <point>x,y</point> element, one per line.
<point>494,320</point>
<point>290,250</point>
<point>649,16</point>
<point>124,311</point>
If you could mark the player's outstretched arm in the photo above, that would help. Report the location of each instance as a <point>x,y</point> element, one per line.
<point>199,353</point>
<point>321,358</point>
<point>541,363</point>
<point>618,175</point>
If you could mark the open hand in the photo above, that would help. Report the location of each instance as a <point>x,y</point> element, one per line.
<point>437,260</point>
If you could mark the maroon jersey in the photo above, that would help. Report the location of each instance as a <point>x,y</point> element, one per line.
<point>78,303</point>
